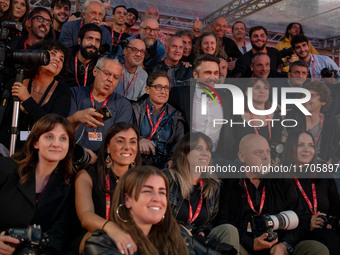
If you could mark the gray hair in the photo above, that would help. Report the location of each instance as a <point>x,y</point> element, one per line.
<point>148,17</point>
<point>102,59</point>
<point>87,3</point>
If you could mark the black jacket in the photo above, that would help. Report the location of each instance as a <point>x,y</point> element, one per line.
<point>281,195</point>
<point>176,201</point>
<point>19,208</point>
<point>182,74</point>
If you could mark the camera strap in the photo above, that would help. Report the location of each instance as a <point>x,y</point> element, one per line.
<point>263,197</point>
<point>312,208</point>
<point>192,218</point>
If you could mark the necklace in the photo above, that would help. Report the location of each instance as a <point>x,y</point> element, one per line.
<point>115,176</point>
<point>39,92</point>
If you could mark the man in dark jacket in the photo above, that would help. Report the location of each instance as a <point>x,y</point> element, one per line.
<point>255,194</point>
<point>172,64</point>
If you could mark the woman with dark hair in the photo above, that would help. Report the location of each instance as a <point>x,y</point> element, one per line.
<point>42,93</point>
<point>255,123</point>
<point>95,185</point>
<point>18,10</point>
<point>160,125</point>
<point>35,183</point>
<point>141,208</point>
<point>209,43</point>
<point>324,127</point>
<point>320,196</point>
<point>194,192</point>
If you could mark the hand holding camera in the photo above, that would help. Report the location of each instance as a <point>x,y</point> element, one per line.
<point>7,244</point>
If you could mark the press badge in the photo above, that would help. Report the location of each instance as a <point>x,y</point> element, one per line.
<point>249,228</point>
<point>95,136</point>
<point>24,135</point>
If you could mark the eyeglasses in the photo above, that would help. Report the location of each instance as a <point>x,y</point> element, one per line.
<point>135,50</point>
<point>159,87</point>
<point>41,19</point>
<point>149,29</point>
<point>108,74</point>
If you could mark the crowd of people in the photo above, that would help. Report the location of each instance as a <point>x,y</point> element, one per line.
<point>150,115</point>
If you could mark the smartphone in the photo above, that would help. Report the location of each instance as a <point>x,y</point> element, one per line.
<point>105,112</point>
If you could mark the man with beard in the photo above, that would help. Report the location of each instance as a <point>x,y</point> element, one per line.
<point>117,28</point>
<point>132,83</point>
<point>84,57</point>
<point>93,12</point>
<point>189,99</point>
<point>61,11</point>
<point>178,73</point>
<point>258,39</point>
<point>148,33</point>
<point>131,19</point>
<point>292,30</point>
<point>38,26</point>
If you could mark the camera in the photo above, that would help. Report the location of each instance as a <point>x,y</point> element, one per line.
<point>331,220</point>
<point>81,157</point>
<point>32,240</point>
<point>266,223</point>
<point>326,73</point>
<point>19,57</point>
<point>286,52</point>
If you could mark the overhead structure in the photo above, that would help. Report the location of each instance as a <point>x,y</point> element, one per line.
<point>238,9</point>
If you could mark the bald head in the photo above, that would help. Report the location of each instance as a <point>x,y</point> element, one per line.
<point>254,150</point>
<point>174,49</point>
<point>219,27</point>
<point>152,12</point>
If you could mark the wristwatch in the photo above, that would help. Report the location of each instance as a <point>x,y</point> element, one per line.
<point>290,249</point>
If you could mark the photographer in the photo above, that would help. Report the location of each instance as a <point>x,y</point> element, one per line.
<point>320,196</point>
<point>41,94</point>
<point>35,186</point>
<point>161,125</point>
<point>252,194</point>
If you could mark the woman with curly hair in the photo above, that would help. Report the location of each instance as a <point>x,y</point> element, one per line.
<point>42,93</point>
<point>209,43</point>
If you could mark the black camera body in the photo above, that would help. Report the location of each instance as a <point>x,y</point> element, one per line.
<point>266,223</point>
<point>326,73</point>
<point>32,240</point>
<point>331,220</point>
<point>261,224</point>
<point>286,52</point>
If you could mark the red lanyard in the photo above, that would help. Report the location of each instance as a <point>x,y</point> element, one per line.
<point>133,79</point>
<point>92,101</point>
<point>113,38</point>
<point>37,200</point>
<point>313,66</point>
<point>244,47</point>
<point>76,70</point>
<point>321,123</point>
<point>268,124</point>
<point>107,197</point>
<point>25,45</point>
<point>81,24</point>
<point>315,201</point>
<point>199,206</point>
<point>153,128</point>
<point>263,197</point>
